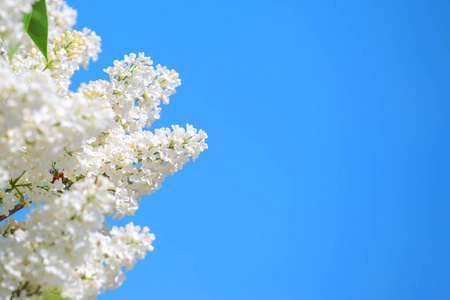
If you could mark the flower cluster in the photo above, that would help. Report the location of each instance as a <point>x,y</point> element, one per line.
<point>71,251</point>
<point>138,162</point>
<point>79,156</point>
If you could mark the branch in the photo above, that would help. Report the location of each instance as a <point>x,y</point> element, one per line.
<point>19,206</point>
<point>13,211</point>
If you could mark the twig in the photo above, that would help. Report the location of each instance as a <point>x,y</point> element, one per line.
<point>13,211</point>
<point>19,206</point>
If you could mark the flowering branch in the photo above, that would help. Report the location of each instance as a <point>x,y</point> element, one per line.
<point>103,157</point>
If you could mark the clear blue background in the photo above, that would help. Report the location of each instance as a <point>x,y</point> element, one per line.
<point>327,175</point>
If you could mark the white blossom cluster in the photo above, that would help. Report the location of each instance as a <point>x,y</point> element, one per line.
<point>138,161</point>
<point>79,156</point>
<point>36,123</point>
<point>71,251</point>
<point>67,52</point>
<point>61,18</point>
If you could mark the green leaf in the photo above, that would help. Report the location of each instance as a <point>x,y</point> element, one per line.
<point>13,182</point>
<point>22,197</point>
<point>26,20</point>
<point>13,50</point>
<point>36,25</point>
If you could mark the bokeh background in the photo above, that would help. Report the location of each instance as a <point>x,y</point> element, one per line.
<point>327,173</point>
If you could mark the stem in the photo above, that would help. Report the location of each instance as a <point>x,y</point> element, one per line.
<point>13,211</point>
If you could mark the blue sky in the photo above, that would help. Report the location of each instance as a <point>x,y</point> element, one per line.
<point>328,169</point>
